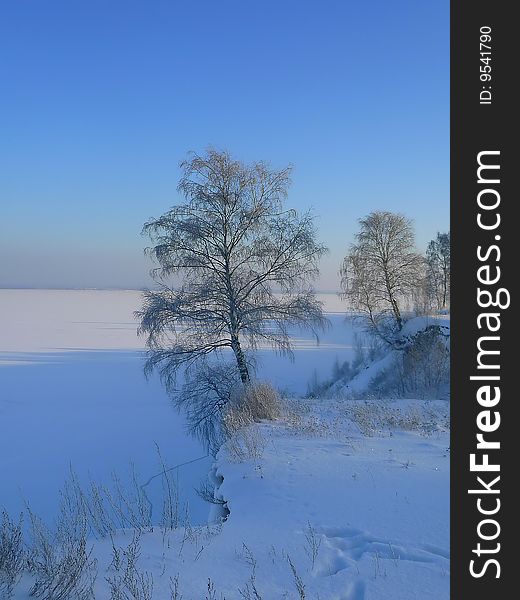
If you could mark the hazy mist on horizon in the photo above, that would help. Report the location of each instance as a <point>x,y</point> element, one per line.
<point>102,100</point>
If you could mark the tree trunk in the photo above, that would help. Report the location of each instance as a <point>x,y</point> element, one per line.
<point>241,360</point>
<point>393,301</point>
<point>397,312</point>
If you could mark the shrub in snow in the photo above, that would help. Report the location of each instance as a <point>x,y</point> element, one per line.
<point>314,386</point>
<point>12,555</point>
<point>418,366</point>
<point>246,443</point>
<point>127,582</point>
<point>254,402</point>
<point>60,563</point>
<point>261,401</point>
<point>375,416</point>
<point>425,363</point>
<point>367,348</point>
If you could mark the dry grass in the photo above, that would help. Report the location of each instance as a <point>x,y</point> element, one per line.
<point>256,402</point>
<point>12,555</point>
<point>261,401</point>
<point>373,417</point>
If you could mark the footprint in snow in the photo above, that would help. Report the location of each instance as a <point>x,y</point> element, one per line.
<point>342,548</point>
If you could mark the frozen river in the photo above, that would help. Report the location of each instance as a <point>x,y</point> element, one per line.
<point>73,393</point>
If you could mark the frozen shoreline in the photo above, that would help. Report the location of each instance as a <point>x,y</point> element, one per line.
<point>375,508</point>
<point>73,392</point>
<point>320,506</point>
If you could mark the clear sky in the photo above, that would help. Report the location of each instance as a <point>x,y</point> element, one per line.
<point>101,99</point>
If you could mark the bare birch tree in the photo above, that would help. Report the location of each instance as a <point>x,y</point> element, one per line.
<point>438,270</point>
<point>381,270</point>
<point>240,264</point>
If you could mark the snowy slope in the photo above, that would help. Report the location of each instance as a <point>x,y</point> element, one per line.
<point>360,384</point>
<point>376,508</point>
<point>354,495</point>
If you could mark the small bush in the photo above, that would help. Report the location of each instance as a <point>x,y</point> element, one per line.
<point>128,582</point>
<point>374,417</point>
<point>314,386</point>
<point>61,563</point>
<point>261,401</point>
<point>420,368</point>
<point>12,555</point>
<point>247,443</point>
<point>236,419</point>
<point>425,364</point>
<point>254,403</point>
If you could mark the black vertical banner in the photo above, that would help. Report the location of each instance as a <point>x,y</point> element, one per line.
<point>485,236</point>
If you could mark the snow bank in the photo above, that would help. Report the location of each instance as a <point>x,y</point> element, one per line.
<point>356,517</point>
<point>319,506</point>
<point>417,324</point>
<point>361,383</point>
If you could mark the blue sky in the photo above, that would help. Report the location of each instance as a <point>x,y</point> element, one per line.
<point>101,99</point>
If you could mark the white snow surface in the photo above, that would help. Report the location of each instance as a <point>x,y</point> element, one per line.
<point>73,393</point>
<point>376,507</point>
<point>43,320</point>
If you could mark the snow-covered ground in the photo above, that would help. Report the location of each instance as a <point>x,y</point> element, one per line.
<point>316,507</point>
<point>335,501</point>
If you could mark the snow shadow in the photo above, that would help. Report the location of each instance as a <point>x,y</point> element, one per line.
<point>96,412</point>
